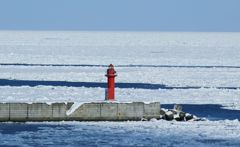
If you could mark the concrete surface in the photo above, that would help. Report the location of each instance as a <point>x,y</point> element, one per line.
<point>101,111</point>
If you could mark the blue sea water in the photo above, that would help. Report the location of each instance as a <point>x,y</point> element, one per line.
<point>124,134</point>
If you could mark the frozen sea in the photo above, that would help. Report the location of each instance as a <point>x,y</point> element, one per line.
<point>201,71</point>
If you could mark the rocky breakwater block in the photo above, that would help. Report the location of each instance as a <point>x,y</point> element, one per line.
<point>169,115</point>
<point>177,114</point>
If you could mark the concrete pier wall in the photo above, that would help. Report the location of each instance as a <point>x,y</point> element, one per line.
<point>86,112</point>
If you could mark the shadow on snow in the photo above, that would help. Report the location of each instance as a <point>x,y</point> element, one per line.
<point>32,83</point>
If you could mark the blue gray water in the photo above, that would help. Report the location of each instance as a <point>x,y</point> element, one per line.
<point>88,134</point>
<point>94,134</point>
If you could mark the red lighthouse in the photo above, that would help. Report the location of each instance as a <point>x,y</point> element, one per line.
<point>111,74</point>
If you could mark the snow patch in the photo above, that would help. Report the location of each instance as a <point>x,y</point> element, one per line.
<point>73,108</point>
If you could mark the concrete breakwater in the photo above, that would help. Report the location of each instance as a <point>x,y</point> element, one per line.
<point>95,111</point>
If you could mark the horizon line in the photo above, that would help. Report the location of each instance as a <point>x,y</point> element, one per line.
<point>114,30</point>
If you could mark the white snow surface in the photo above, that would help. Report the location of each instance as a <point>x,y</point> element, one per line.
<point>73,108</point>
<point>228,98</point>
<point>205,77</point>
<point>122,48</point>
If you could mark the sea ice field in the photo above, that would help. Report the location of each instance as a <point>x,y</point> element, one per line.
<point>199,70</point>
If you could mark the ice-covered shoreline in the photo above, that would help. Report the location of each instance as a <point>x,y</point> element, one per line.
<point>177,51</point>
<point>122,48</point>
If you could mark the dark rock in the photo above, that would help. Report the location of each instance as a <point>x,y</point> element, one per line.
<point>169,115</point>
<point>176,117</point>
<point>177,114</point>
<point>188,117</point>
<point>181,116</point>
<point>162,112</point>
